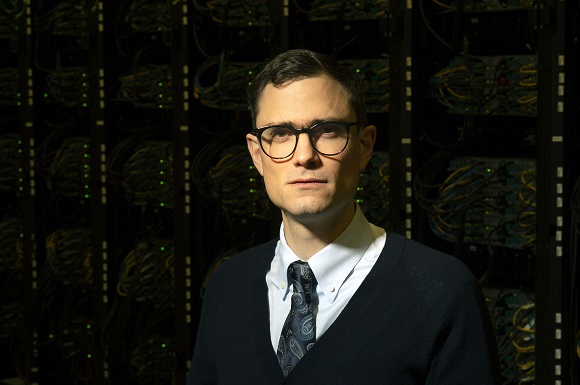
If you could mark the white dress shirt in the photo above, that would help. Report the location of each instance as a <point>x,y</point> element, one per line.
<point>339,268</point>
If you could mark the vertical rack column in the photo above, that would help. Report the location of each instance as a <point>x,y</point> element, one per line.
<point>100,285</point>
<point>30,262</point>
<point>551,332</point>
<point>400,118</point>
<point>182,194</point>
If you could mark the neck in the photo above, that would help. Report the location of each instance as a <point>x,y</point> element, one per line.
<point>307,235</point>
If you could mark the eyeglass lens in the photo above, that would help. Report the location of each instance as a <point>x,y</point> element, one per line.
<point>327,138</point>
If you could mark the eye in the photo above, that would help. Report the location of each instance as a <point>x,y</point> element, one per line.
<point>277,133</point>
<point>328,130</point>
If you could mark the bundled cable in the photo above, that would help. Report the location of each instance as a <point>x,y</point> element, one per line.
<point>149,15</point>
<point>488,85</point>
<point>147,272</point>
<point>11,254</point>
<point>10,163</point>
<point>156,349</point>
<point>147,175</point>
<point>69,173</point>
<point>373,190</point>
<point>376,75</point>
<point>9,92</point>
<point>238,185</point>
<point>481,201</point>
<point>235,13</point>
<point>349,9</point>
<point>69,255</point>
<point>66,18</point>
<point>226,88</point>
<point>513,316</point>
<point>147,86</point>
<point>68,86</point>
<point>11,11</point>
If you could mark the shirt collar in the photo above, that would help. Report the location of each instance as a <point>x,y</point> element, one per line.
<point>333,264</point>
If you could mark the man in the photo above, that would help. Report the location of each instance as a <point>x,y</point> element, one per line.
<point>371,307</point>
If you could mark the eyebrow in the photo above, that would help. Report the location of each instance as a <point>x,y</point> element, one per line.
<point>309,124</point>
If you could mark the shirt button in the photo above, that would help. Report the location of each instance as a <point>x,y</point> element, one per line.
<point>331,288</point>
<point>283,285</point>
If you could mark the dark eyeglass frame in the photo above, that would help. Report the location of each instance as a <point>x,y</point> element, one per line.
<point>307,130</point>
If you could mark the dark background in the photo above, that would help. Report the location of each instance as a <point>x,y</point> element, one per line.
<point>124,178</point>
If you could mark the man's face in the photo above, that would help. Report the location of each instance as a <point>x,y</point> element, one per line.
<point>308,184</point>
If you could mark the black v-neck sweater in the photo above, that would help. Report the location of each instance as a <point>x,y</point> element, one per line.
<point>418,318</point>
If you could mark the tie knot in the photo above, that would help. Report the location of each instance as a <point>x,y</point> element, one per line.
<point>302,277</point>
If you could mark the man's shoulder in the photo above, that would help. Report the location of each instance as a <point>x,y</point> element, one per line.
<point>432,273</point>
<point>249,261</point>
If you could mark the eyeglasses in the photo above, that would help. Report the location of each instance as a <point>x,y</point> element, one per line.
<point>327,138</point>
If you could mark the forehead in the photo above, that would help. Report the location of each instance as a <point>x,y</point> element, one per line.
<point>303,101</point>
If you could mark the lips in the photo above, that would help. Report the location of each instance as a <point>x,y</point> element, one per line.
<point>306,181</point>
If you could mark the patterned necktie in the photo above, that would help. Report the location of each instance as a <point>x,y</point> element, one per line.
<point>299,332</point>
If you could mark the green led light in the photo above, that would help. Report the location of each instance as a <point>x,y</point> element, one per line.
<point>161,160</point>
<point>250,72</point>
<point>89,355</point>
<point>160,96</point>
<point>87,196</point>
<point>85,105</point>
<point>163,346</point>
<point>51,336</point>
<point>88,326</point>
<point>162,248</point>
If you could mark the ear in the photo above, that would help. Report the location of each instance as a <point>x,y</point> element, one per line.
<point>255,152</point>
<point>367,137</point>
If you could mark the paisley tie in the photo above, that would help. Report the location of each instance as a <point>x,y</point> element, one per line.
<point>299,332</point>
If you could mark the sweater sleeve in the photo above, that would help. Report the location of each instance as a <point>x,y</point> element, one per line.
<point>464,350</point>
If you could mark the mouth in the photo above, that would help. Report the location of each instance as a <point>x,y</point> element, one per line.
<point>306,181</point>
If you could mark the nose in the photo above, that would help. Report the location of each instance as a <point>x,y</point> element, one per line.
<point>305,154</point>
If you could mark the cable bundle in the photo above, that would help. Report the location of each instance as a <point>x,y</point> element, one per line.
<point>10,163</point>
<point>69,255</point>
<point>11,254</point>
<point>491,85</point>
<point>12,318</point>
<point>349,9</point>
<point>238,185</point>
<point>147,176</point>
<point>150,15</point>
<point>236,13</point>
<point>482,201</point>
<point>227,83</point>
<point>513,316</point>
<point>147,273</point>
<point>10,13</point>
<point>9,92</point>
<point>68,86</point>
<point>67,18</point>
<point>153,359</point>
<point>69,174</point>
<point>373,190</point>
<point>147,86</point>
